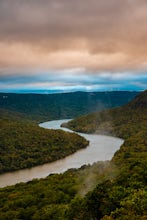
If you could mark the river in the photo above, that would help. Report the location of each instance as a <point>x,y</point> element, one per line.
<point>100,148</point>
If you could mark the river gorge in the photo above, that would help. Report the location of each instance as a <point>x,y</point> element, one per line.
<point>100,148</point>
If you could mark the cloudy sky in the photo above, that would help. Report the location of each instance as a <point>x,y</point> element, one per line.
<point>70,45</point>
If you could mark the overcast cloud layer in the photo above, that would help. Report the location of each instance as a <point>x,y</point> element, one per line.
<point>43,38</point>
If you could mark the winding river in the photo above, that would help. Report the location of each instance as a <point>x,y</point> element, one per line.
<point>101,148</point>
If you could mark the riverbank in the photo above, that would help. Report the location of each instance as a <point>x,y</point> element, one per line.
<point>120,188</point>
<point>24,144</point>
<point>100,148</point>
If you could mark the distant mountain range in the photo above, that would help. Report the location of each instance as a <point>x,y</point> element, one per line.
<point>43,107</point>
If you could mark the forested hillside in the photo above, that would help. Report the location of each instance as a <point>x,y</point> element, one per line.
<point>121,121</point>
<point>24,144</point>
<point>43,107</point>
<point>126,196</point>
<point>114,190</point>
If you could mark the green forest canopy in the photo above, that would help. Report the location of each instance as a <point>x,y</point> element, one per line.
<point>43,107</point>
<point>24,144</point>
<point>120,190</point>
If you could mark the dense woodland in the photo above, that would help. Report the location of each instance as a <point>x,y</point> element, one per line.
<point>24,144</point>
<point>121,121</point>
<point>114,190</point>
<point>43,107</point>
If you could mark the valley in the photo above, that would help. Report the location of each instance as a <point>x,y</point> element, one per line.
<point>107,190</point>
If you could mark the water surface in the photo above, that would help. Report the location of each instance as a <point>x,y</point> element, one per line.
<point>100,148</point>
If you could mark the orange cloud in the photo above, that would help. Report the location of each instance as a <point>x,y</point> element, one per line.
<point>98,35</point>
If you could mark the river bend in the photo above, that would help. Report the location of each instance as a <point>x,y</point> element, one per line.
<point>100,148</point>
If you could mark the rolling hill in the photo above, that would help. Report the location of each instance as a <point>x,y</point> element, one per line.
<point>120,189</point>
<point>23,144</point>
<point>42,107</point>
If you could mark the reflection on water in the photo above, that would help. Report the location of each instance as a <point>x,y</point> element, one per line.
<point>100,148</point>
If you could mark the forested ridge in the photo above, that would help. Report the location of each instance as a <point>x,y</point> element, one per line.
<point>23,144</point>
<point>121,121</point>
<point>126,196</point>
<point>114,190</point>
<point>43,107</point>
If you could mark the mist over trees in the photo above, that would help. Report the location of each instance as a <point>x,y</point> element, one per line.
<point>114,190</point>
